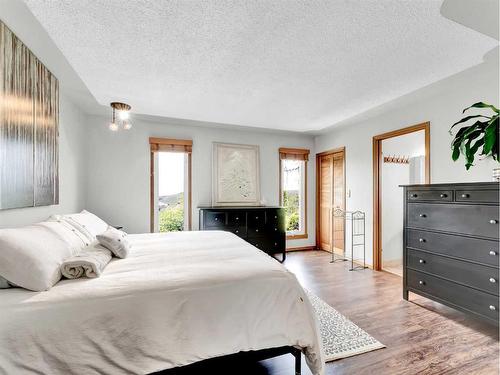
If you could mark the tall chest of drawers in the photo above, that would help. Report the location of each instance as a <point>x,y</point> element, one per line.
<point>451,246</point>
<point>263,227</point>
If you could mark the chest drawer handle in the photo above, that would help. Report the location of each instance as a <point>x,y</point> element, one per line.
<point>493,280</point>
<point>421,261</point>
<point>492,308</point>
<point>236,231</point>
<point>421,240</point>
<point>421,282</point>
<point>276,217</point>
<point>493,253</point>
<point>237,218</point>
<point>422,215</point>
<point>465,195</point>
<point>256,218</point>
<point>256,230</point>
<point>443,195</point>
<point>413,195</point>
<point>493,221</point>
<point>216,219</point>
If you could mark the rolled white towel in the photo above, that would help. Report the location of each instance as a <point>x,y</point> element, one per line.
<point>90,262</point>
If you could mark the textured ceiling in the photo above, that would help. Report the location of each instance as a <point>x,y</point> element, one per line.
<point>295,65</point>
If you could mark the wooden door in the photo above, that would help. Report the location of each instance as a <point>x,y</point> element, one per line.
<point>325,202</point>
<point>338,202</point>
<point>331,196</point>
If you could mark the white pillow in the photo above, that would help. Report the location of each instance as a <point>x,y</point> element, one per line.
<point>31,256</point>
<point>116,241</point>
<point>87,223</point>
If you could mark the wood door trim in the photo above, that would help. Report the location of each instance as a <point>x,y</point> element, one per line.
<point>318,180</point>
<point>377,218</point>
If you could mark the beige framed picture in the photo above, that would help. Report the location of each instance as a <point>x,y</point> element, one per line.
<point>235,175</point>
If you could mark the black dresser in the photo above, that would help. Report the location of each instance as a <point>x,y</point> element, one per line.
<point>451,247</point>
<point>263,227</point>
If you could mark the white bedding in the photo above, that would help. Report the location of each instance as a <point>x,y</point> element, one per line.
<point>177,299</point>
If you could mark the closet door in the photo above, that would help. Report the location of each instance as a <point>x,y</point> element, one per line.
<point>325,202</point>
<point>338,201</point>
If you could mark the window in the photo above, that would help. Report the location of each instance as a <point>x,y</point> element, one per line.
<point>170,185</point>
<point>293,190</point>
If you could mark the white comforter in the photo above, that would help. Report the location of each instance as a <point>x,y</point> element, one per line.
<point>177,299</point>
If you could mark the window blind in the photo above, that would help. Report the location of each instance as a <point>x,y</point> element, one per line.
<point>294,154</point>
<point>171,145</point>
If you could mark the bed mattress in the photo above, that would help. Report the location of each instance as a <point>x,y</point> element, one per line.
<point>177,299</point>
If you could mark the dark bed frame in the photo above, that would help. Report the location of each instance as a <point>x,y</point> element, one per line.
<point>243,357</point>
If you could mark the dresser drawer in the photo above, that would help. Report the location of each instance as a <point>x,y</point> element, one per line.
<point>470,274</point>
<point>475,249</point>
<point>215,219</point>
<point>477,196</point>
<point>430,195</point>
<point>256,219</point>
<point>481,303</point>
<point>476,220</point>
<point>236,219</point>
<point>240,231</point>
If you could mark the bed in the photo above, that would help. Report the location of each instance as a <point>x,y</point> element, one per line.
<point>178,298</point>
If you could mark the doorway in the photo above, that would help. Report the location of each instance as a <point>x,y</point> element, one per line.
<point>400,157</point>
<point>330,196</point>
<point>170,185</point>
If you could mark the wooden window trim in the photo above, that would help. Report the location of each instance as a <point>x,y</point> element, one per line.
<point>169,145</point>
<point>295,154</point>
<point>377,154</point>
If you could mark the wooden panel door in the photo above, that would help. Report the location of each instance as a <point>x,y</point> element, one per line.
<point>325,202</point>
<point>338,201</point>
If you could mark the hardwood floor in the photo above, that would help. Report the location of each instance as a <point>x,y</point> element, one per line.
<point>422,337</point>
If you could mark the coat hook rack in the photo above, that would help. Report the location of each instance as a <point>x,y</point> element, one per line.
<point>397,159</point>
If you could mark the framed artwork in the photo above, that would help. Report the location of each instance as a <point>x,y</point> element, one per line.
<point>29,123</point>
<point>235,175</point>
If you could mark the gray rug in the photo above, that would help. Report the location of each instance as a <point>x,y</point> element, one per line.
<point>341,337</point>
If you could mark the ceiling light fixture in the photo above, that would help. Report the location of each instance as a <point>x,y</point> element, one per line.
<point>123,115</point>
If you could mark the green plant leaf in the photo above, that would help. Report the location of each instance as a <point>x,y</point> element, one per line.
<point>456,153</point>
<point>467,119</point>
<point>490,136</point>
<point>482,105</point>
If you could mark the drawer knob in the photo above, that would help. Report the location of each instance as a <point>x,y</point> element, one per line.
<point>276,217</point>
<point>413,195</point>
<point>256,217</point>
<point>421,282</point>
<point>256,245</point>
<point>443,195</point>
<point>493,221</point>
<point>422,215</point>
<point>465,195</point>
<point>275,244</point>
<point>492,308</point>
<point>493,253</point>
<point>236,231</point>
<point>256,230</point>
<point>421,261</point>
<point>216,219</point>
<point>493,280</point>
<point>275,229</point>
<point>237,218</point>
<point>421,240</point>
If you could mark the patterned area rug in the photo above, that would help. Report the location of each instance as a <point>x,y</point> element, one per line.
<point>341,337</point>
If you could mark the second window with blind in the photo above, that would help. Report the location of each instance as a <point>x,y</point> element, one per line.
<point>293,190</point>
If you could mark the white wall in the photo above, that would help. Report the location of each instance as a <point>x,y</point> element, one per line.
<point>441,104</point>
<point>391,176</point>
<point>118,173</point>
<point>72,169</point>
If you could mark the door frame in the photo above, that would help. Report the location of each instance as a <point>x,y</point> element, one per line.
<point>318,181</point>
<point>377,156</point>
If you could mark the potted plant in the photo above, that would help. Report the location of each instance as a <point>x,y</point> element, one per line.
<point>478,139</point>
